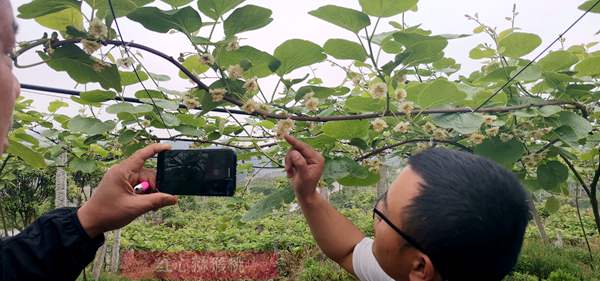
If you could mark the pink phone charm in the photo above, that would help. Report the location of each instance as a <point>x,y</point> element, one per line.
<point>142,187</point>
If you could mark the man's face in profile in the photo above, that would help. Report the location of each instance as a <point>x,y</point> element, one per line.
<point>9,86</point>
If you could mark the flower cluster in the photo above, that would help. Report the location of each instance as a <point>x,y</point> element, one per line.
<point>250,106</point>
<point>251,85</point>
<point>489,119</point>
<point>217,94</point>
<point>90,46</point>
<point>402,127</point>
<point>379,125</point>
<point>429,127</point>
<point>493,131</point>
<point>379,90</point>
<point>98,29</point>
<point>126,62</point>
<point>235,71</point>
<point>407,107</point>
<point>191,102</point>
<point>233,45</point>
<point>374,165</point>
<point>312,104</point>
<point>284,127</point>
<point>440,134</point>
<point>477,138</point>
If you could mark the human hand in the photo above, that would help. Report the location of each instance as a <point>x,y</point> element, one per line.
<point>304,166</point>
<point>114,203</point>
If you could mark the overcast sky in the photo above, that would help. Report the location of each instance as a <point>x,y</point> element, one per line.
<point>546,18</point>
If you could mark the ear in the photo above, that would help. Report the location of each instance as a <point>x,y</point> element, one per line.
<point>422,269</point>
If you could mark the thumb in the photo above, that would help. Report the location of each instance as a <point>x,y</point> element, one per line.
<point>155,201</point>
<point>298,162</point>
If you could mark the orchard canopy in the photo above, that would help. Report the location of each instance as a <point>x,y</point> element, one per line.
<point>401,93</point>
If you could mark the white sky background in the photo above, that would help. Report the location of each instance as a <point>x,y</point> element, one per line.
<point>546,18</point>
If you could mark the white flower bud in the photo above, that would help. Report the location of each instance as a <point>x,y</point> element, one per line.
<point>235,71</point>
<point>379,90</point>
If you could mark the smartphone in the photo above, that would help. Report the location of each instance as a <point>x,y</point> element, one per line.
<point>203,172</point>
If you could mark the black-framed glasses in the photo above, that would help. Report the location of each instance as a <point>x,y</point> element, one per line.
<point>411,241</point>
<point>408,238</point>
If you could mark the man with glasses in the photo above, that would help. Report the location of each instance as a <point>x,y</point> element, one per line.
<point>449,215</point>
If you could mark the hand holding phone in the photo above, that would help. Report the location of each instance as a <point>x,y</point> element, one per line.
<point>204,172</point>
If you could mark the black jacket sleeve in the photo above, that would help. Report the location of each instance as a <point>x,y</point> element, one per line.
<point>54,247</point>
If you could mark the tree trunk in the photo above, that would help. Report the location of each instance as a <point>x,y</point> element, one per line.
<point>115,252</point>
<point>4,225</point>
<point>99,262</point>
<point>596,212</point>
<point>538,220</point>
<point>60,196</point>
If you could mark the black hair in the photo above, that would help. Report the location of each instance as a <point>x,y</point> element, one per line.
<point>469,216</point>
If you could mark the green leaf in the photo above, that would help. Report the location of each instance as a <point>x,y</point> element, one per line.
<point>90,126</point>
<point>558,60</point>
<point>170,120</point>
<point>345,50</point>
<point>296,53</point>
<point>464,123</point>
<point>589,4</point>
<point>247,18</point>
<point>129,78</point>
<point>505,153</point>
<point>437,93</point>
<point>386,8</point>
<point>321,142</point>
<point>272,202</point>
<point>31,157</point>
<point>549,110</point>
<point>38,8</point>
<point>481,51</point>
<point>147,94</point>
<point>420,48</point>
<point>260,60</point>
<point>214,9</point>
<point>343,17</point>
<point>320,92</point>
<point>519,44</point>
<point>61,20</point>
<point>121,7</point>
<point>162,103</point>
<point>339,167</point>
<point>193,64</point>
<point>129,108</point>
<point>364,104</point>
<point>56,105</point>
<point>82,68</point>
<point>177,3</point>
<point>567,135</point>
<point>98,96</point>
<point>353,180</point>
<point>589,67</point>
<point>552,205</point>
<point>580,125</point>
<point>347,129</point>
<point>186,19</point>
<point>83,165</point>
<point>551,174</point>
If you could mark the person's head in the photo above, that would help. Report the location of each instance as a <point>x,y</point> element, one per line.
<point>466,214</point>
<point>9,86</point>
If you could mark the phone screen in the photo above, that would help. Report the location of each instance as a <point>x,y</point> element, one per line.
<point>204,172</point>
